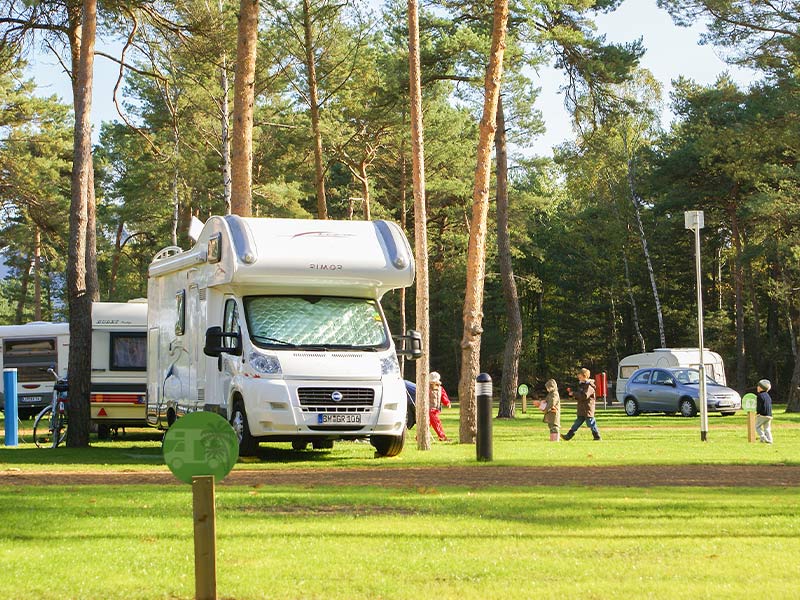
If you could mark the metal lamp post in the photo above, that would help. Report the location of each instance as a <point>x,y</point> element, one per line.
<point>693,219</point>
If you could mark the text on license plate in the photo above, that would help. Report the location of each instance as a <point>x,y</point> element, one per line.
<point>326,418</point>
<point>31,398</point>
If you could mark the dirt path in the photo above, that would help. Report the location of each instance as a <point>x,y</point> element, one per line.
<point>481,476</point>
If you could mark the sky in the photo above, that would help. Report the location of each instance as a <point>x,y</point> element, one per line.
<point>671,51</point>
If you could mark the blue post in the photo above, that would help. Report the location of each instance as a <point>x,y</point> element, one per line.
<point>11,412</point>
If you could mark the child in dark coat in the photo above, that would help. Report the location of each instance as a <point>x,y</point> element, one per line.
<point>764,412</point>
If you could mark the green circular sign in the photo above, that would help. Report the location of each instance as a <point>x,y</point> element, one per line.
<point>523,390</point>
<point>200,443</point>
<point>749,402</point>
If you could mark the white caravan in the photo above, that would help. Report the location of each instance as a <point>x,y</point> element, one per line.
<point>32,349</point>
<point>276,324</point>
<point>668,357</point>
<point>119,365</point>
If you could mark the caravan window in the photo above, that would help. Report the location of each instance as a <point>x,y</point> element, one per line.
<point>128,352</point>
<point>318,321</point>
<point>627,371</point>
<point>31,357</point>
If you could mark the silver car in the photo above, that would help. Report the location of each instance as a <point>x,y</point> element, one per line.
<point>676,390</point>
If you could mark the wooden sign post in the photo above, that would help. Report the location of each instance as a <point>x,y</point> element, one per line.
<point>749,405</point>
<point>199,448</point>
<point>523,390</point>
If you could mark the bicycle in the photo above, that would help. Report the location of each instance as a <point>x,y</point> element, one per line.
<point>50,426</point>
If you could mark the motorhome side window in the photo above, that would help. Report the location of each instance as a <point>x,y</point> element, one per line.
<point>315,321</point>
<point>128,351</point>
<point>230,323</point>
<point>180,308</point>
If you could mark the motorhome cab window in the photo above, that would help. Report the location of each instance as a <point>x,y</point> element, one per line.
<point>330,322</point>
<point>128,352</point>
<point>31,357</point>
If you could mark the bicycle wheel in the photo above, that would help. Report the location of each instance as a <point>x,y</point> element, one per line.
<point>43,428</point>
<point>59,427</point>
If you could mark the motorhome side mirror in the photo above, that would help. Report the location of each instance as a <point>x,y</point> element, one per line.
<point>411,344</point>
<point>218,342</point>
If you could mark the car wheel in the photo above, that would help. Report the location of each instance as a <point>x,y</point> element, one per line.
<point>388,445</point>
<point>631,407</point>
<point>687,408</point>
<point>103,432</point>
<point>299,444</point>
<point>248,445</point>
<point>322,444</point>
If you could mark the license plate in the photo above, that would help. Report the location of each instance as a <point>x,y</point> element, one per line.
<point>31,399</point>
<point>345,419</point>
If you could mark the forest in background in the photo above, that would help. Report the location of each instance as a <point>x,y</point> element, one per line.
<point>602,262</point>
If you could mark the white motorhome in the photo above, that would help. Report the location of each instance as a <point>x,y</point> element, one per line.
<point>668,357</point>
<point>119,365</point>
<point>276,324</point>
<point>32,349</point>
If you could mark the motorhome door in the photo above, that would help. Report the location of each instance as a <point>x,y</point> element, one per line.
<point>220,371</point>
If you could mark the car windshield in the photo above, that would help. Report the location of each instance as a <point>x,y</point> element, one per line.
<point>690,376</point>
<point>315,321</point>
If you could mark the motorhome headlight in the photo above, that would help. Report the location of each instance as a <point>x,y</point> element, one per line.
<point>267,364</point>
<point>389,366</point>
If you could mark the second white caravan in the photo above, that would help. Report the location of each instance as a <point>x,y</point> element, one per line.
<point>277,325</point>
<point>668,357</point>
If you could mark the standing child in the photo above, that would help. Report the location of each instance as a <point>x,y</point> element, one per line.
<point>552,409</point>
<point>438,398</point>
<point>764,411</point>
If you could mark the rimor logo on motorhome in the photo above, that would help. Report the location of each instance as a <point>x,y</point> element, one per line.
<point>325,267</point>
<point>323,234</point>
<point>336,396</point>
<point>113,322</point>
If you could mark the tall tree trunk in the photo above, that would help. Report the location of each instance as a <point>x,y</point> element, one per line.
<point>176,175</point>
<point>364,179</point>
<point>243,100</point>
<point>403,225</point>
<point>226,131</point>
<point>476,252</point>
<point>19,315</point>
<point>311,72</point>
<point>624,224</point>
<point>37,274</point>
<point>541,346</point>
<point>508,387</point>
<point>632,300</point>
<point>112,280</point>
<point>92,283</point>
<point>637,202</point>
<point>420,228</point>
<point>738,299</point>
<point>82,39</point>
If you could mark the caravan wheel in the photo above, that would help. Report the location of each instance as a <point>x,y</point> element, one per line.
<point>248,445</point>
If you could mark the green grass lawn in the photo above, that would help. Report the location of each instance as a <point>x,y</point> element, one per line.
<point>98,542</point>
<point>650,439</point>
<point>288,543</point>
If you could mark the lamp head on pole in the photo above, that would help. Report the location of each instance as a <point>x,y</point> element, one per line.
<point>693,219</point>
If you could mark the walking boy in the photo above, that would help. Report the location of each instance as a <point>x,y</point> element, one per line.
<point>586,399</point>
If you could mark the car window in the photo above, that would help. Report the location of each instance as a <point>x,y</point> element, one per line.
<point>642,377</point>
<point>682,377</point>
<point>662,378</point>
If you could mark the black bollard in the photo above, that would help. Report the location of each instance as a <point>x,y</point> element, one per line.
<point>483,391</point>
